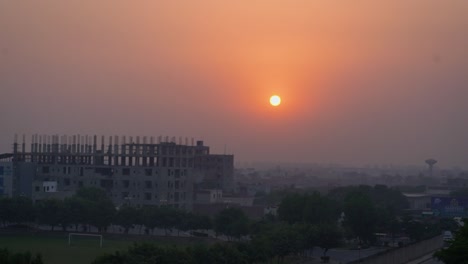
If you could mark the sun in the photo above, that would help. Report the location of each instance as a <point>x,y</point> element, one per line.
<point>275,100</point>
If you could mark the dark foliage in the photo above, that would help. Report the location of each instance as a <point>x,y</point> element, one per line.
<point>456,252</point>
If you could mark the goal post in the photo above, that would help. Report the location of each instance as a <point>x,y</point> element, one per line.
<point>70,235</point>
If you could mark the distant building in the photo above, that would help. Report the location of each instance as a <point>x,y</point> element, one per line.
<point>254,212</point>
<point>450,206</point>
<point>418,201</point>
<point>239,200</point>
<point>208,196</point>
<point>6,178</point>
<point>135,171</point>
<point>439,190</point>
<point>217,171</point>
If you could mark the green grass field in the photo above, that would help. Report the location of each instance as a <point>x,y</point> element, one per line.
<point>55,249</point>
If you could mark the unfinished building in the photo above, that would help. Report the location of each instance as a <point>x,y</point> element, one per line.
<point>133,170</point>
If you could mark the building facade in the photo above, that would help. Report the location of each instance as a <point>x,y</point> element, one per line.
<point>134,171</point>
<point>217,171</point>
<point>6,179</point>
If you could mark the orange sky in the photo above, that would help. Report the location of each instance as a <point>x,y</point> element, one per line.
<point>362,81</point>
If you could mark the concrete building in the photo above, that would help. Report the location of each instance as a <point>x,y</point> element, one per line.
<point>6,178</point>
<point>218,171</point>
<point>209,196</point>
<point>418,201</point>
<point>137,171</point>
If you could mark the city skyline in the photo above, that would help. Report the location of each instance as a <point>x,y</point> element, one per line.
<point>360,83</point>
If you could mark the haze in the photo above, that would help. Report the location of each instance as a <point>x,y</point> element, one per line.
<point>361,82</point>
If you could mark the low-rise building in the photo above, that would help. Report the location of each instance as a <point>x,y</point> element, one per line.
<point>208,196</point>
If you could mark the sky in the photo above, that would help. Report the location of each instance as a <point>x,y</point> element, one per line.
<point>362,82</point>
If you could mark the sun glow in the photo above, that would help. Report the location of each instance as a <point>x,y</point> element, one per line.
<point>275,100</point>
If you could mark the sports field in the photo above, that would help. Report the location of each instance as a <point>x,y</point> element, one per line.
<point>55,249</point>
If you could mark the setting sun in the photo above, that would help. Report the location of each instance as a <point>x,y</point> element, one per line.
<point>275,100</point>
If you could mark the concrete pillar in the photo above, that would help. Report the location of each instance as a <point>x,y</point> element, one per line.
<point>82,147</point>
<point>110,157</point>
<point>116,145</point>
<point>74,144</point>
<point>48,144</point>
<point>32,143</point>
<point>23,145</point>
<point>94,144</point>
<point>116,150</point>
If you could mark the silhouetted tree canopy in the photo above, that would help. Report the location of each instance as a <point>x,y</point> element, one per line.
<point>360,215</point>
<point>48,212</point>
<point>457,251</point>
<point>311,208</point>
<point>7,257</point>
<point>232,222</point>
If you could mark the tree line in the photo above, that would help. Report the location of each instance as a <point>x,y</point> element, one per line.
<point>92,207</point>
<point>303,221</point>
<point>7,257</point>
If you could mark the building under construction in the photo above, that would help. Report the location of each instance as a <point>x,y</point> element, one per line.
<point>133,170</point>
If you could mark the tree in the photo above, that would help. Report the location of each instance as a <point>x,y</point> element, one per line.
<point>98,207</point>
<point>284,240</point>
<point>136,254</point>
<point>456,252</point>
<point>21,210</point>
<point>387,204</point>
<point>312,208</point>
<point>259,249</point>
<point>227,253</point>
<point>413,228</point>
<point>329,236</point>
<point>388,198</point>
<point>5,210</point>
<point>150,217</point>
<point>360,215</point>
<point>308,236</point>
<point>102,213</point>
<point>202,222</point>
<point>150,254</point>
<point>232,222</point>
<point>6,257</point>
<point>318,209</point>
<point>192,221</point>
<point>291,208</point>
<point>73,212</point>
<point>147,254</point>
<point>49,212</point>
<point>126,217</point>
<point>169,218</point>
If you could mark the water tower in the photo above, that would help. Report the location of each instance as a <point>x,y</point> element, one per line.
<point>431,163</point>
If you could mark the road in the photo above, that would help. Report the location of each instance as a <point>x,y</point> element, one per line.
<point>431,261</point>
<point>347,255</point>
<point>427,259</point>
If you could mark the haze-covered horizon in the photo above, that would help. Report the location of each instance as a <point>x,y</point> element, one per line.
<point>361,82</point>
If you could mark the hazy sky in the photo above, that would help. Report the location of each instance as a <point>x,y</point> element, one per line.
<point>362,82</point>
